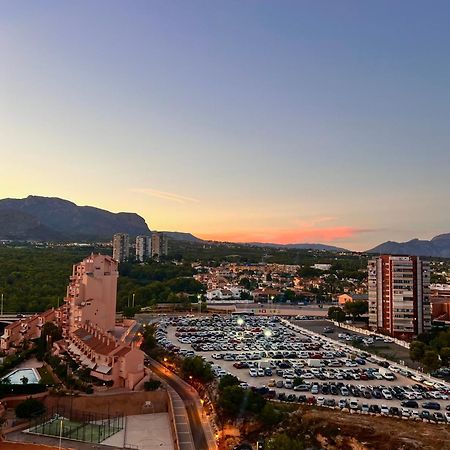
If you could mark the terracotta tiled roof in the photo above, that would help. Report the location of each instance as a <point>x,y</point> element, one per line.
<point>96,343</point>
<point>123,351</point>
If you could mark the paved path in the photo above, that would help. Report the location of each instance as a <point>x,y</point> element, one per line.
<point>201,431</point>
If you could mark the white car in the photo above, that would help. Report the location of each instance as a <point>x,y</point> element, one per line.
<point>406,412</point>
<point>384,410</point>
<point>320,401</point>
<point>253,372</point>
<point>353,404</point>
<point>386,394</point>
<point>447,416</point>
<point>417,378</point>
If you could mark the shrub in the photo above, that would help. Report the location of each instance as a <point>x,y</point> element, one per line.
<point>30,408</point>
<point>152,385</point>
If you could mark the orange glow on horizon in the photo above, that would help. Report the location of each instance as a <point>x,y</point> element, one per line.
<point>285,236</point>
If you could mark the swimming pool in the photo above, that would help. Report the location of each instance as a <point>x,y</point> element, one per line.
<point>15,377</point>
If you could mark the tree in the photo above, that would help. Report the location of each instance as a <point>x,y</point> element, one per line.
<point>130,311</point>
<point>297,381</point>
<point>270,416</point>
<point>337,314</point>
<point>30,408</point>
<point>237,402</point>
<point>196,368</point>
<point>152,385</point>
<point>417,350</point>
<point>445,355</point>
<point>228,380</point>
<point>232,401</point>
<point>356,308</point>
<point>284,442</point>
<point>431,360</point>
<point>149,342</point>
<point>289,295</point>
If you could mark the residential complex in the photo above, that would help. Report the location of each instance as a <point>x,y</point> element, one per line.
<point>143,248</point>
<point>121,247</point>
<point>399,295</point>
<point>25,329</point>
<point>91,334</point>
<point>146,247</point>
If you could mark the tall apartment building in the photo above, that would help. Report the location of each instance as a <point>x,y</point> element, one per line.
<point>159,245</point>
<point>399,295</point>
<point>143,248</point>
<point>92,337</point>
<point>91,293</point>
<point>121,247</point>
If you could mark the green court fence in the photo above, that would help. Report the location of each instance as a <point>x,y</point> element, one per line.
<point>78,425</point>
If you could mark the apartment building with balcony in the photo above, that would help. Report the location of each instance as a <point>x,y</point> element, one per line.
<point>91,293</point>
<point>399,295</point>
<point>143,248</point>
<point>121,247</point>
<point>91,334</point>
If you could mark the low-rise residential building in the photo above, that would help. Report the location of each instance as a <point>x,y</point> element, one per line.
<point>345,298</point>
<point>226,293</point>
<point>440,301</point>
<point>25,329</point>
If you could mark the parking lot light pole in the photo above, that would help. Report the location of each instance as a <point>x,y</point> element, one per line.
<point>199,297</point>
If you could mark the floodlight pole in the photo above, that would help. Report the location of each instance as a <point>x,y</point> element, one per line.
<point>60,433</point>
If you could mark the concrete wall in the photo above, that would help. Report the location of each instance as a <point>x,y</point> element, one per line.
<point>130,403</point>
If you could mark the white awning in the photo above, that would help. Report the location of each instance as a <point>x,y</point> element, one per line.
<point>87,363</point>
<point>74,349</point>
<point>103,369</point>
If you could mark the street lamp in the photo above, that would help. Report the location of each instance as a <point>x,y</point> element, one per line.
<point>199,297</point>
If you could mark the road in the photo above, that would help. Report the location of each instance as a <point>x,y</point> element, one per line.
<point>189,398</point>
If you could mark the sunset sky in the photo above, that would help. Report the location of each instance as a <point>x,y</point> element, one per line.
<point>251,120</point>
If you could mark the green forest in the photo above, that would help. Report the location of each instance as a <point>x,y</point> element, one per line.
<point>34,279</point>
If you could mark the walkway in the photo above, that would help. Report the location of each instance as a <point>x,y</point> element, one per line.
<point>202,433</point>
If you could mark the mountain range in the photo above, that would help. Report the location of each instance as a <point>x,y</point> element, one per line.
<point>439,247</point>
<point>306,246</point>
<point>55,219</point>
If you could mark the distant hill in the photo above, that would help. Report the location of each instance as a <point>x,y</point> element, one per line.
<point>55,219</point>
<point>439,247</point>
<point>324,247</point>
<point>179,236</point>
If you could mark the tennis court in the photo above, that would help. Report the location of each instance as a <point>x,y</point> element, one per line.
<point>86,427</point>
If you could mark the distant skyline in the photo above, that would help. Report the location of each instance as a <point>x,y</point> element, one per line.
<point>270,121</point>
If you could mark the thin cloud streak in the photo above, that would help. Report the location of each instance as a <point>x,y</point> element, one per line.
<point>165,195</point>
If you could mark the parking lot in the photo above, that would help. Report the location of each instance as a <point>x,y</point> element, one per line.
<point>295,364</point>
<point>384,347</point>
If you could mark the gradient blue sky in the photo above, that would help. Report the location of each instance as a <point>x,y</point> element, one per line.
<point>288,121</point>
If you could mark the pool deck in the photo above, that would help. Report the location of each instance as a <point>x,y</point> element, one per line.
<point>27,372</point>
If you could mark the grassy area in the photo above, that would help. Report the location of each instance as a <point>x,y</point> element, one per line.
<point>46,376</point>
